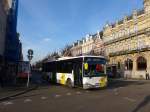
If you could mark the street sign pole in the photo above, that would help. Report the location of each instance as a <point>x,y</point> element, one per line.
<point>30,56</point>
<point>28,81</point>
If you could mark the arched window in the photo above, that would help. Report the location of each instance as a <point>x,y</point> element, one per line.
<point>129,64</point>
<point>141,63</point>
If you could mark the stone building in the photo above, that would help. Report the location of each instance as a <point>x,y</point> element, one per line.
<point>88,45</point>
<point>99,44</point>
<point>83,47</point>
<point>127,43</point>
<point>76,50</point>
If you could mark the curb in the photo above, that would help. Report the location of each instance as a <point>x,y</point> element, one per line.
<point>17,94</point>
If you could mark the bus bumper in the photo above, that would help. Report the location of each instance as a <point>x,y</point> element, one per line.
<point>96,86</point>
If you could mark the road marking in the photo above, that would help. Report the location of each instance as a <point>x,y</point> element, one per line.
<point>57,96</point>
<point>116,93</point>
<point>78,92</point>
<point>115,90</point>
<point>68,94</point>
<point>7,103</point>
<point>87,91</point>
<point>129,99</point>
<point>43,98</point>
<point>27,100</point>
<point>121,87</point>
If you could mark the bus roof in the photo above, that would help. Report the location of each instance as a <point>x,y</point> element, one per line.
<point>75,57</point>
<point>66,58</point>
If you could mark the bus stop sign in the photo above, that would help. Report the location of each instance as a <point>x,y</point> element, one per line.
<point>30,52</point>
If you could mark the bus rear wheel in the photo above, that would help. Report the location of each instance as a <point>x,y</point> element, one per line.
<point>69,83</point>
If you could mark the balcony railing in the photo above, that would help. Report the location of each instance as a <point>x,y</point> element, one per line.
<point>144,31</point>
<point>137,50</point>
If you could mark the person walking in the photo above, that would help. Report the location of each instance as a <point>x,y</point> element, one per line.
<point>147,75</point>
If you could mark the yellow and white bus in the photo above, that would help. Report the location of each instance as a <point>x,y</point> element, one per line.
<point>81,71</point>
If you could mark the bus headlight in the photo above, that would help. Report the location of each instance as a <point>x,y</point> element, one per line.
<point>88,85</point>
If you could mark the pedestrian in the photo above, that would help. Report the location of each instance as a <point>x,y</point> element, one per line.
<point>147,75</point>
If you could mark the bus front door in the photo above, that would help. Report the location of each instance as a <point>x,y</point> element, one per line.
<point>77,75</point>
<point>54,80</point>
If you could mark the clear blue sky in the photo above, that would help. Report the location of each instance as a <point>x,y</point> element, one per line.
<point>47,25</point>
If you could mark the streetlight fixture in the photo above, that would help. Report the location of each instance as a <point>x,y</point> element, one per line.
<point>29,56</point>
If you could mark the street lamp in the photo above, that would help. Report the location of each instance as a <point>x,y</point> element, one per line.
<point>29,56</point>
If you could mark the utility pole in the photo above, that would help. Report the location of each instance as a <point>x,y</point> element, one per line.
<point>30,56</point>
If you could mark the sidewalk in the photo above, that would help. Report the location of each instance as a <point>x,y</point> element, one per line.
<point>9,92</point>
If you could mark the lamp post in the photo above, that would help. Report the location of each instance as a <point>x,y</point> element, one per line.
<point>29,56</point>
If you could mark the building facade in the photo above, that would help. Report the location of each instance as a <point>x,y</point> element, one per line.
<point>13,45</point>
<point>4,7</point>
<point>127,43</point>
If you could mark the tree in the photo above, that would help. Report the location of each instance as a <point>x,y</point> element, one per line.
<point>66,51</point>
<point>51,57</point>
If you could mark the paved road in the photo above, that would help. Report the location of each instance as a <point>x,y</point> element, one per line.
<point>120,96</point>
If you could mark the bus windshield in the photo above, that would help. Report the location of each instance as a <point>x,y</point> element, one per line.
<point>94,68</point>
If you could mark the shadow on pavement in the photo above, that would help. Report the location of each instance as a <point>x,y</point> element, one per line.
<point>142,104</point>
